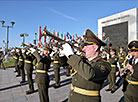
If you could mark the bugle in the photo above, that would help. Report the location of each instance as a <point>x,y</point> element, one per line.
<point>47,33</point>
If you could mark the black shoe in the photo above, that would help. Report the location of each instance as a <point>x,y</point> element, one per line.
<point>108,90</point>
<point>67,75</point>
<point>112,91</point>
<point>23,81</point>
<point>29,92</point>
<point>56,87</point>
<point>18,75</point>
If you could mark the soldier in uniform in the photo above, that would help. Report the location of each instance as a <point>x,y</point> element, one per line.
<point>16,59</point>
<point>112,76</point>
<point>104,54</point>
<point>21,65</point>
<point>42,77</point>
<point>56,66</point>
<point>90,70</point>
<point>130,95</point>
<point>28,66</point>
<point>121,54</point>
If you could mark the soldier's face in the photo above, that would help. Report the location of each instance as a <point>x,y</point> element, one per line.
<point>112,53</point>
<point>90,50</point>
<point>46,52</point>
<point>134,54</point>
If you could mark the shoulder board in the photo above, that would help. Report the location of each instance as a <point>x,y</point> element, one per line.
<point>101,60</point>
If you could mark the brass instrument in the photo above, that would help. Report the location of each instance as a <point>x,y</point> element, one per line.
<point>47,33</point>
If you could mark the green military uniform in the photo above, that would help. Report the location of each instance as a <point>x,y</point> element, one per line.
<point>56,67</point>
<point>131,93</point>
<point>16,59</point>
<point>88,80</point>
<point>42,77</point>
<point>121,55</point>
<point>21,66</point>
<point>104,54</point>
<point>88,76</point>
<point>28,66</point>
<point>112,76</point>
<point>63,62</point>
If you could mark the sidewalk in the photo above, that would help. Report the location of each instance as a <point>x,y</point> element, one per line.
<point>12,91</point>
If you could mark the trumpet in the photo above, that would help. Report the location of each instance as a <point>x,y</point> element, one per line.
<point>47,33</point>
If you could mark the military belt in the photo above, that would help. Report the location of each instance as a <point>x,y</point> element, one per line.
<point>36,64</point>
<point>132,82</point>
<point>113,65</point>
<point>28,61</point>
<point>56,62</point>
<point>121,58</point>
<point>20,59</point>
<point>15,57</point>
<point>73,72</point>
<point>41,71</point>
<point>84,91</point>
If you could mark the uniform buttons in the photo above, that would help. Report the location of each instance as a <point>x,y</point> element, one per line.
<point>75,79</point>
<point>71,94</point>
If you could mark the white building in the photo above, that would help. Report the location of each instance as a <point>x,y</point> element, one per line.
<point>121,28</point>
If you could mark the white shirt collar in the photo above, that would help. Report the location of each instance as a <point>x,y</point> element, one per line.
<point>91,58</point>
<point>136,60</point>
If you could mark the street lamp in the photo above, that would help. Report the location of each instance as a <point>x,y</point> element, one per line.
<point>24,35</point>
<point>12,23</point>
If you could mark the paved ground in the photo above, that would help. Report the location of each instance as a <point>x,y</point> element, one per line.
<point>12,91</point>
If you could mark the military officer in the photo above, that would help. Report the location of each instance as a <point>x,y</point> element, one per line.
<point>121,54</point>
<point>28,66</point>
<point>16,59</point>
<point>21,65</point>
<point>112,76</point>
<point>130,95</point>
<point>56,65</point>
<point>42,77</point>
<point>90,70</point>
<point>104,54</point>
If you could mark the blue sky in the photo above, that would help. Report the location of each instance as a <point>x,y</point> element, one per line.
<point>74,16</point>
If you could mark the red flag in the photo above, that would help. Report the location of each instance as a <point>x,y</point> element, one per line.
<point>54,32</point>
<point>73,36</point>
<point>57,34</point>
<point>64,36</point>
<point>44,39</point>
<point>76,35</point>
<point>39,33</point>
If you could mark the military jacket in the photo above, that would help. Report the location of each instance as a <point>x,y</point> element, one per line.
<point>16,58</point>
<point>103,56</point>
<point>56,58</point>
<point>113,62</point>
<point>90,75</point>
<point>43,65</point>
<point>121,57</point>
<point>28,61</point>
<point>21,61</point>
<point>132,79</point>
<point>63,61</point>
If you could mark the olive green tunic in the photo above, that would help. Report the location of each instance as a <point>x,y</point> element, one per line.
<point>28,66</point>
<point>42,77</point>
<point>89,78</point>
<point>16,59</point>
<point>56,67</point>
<point>131,93</point>
<point>121,58</point>
<point>112,75</point>
<point>21,66</point>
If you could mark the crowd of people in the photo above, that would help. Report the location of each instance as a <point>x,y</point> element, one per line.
<point>84,60</point>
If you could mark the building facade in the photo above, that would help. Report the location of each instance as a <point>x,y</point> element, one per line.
<point>120,28</point>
